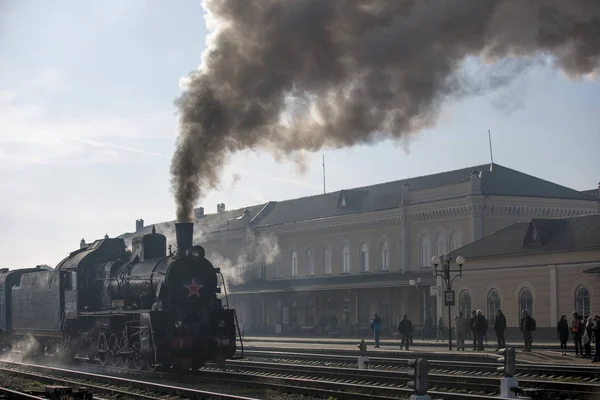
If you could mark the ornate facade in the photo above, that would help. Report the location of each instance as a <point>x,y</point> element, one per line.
<point>343,256</point>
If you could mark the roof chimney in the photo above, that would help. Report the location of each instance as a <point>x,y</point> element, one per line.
<point>139,225</point>
<point>199,212</point>
<point>82,244</point>
<point>221,208</point>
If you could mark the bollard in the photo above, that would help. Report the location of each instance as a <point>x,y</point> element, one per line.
<point>508,381</point>
<point>420,382</point>
<point>363,360</point>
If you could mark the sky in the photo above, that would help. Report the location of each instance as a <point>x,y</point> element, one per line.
<point>88,127</point>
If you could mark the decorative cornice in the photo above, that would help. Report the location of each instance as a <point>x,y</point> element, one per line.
<point>467,210</point>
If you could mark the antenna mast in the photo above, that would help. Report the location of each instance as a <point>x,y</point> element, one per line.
<point>324,191</point>
<point>491,154</point>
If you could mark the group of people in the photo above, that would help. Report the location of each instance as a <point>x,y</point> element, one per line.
<point>584,330</point>
<point>477,324</point>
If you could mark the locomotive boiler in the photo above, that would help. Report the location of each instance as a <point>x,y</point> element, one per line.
<point>138,309</point>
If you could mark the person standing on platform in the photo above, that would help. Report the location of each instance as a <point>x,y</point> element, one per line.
<point>500,328</point>
<point>527,327</point>
<point>563,333</point>
<point>597,338</point>
<point>481,327</point>
<point>588,331</point>
<point>405,331</point>
<point>472,324</point>
<point>376,327</point>
<point>461,324</point>
<point>440,330</point>
<point>576,330</point>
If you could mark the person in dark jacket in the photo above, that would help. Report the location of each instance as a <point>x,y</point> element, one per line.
<point>563,333</point>
<point>588,331</point>
<point>597,338</point>
<point>481,327</point>
<point>576,331</point>
<point>500,328</point>
<point>405,331</point>
<point>472,324</point>
<point>527,327</point>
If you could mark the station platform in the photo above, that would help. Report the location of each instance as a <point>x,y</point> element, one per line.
<point>543,354</point>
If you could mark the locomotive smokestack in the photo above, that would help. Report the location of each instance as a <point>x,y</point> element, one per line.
<point>184,232</point>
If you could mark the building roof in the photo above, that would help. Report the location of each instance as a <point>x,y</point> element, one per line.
<point>537,236</point>
<point>501,181</point>
<point>207,224</point>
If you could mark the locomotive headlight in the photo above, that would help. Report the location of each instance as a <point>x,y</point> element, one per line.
<point>178,324</point>
<point>221,324</point>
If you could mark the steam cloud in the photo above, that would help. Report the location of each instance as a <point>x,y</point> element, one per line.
<point>262,248</point>
<point>299,75</point>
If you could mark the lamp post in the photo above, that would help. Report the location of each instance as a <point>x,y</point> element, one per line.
<point>449,298</point>
<point>417,286</point>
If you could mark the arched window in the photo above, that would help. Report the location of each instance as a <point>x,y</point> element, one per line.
<point>464,301</point>
<point>424,251</point>
<point>310,262</point>
<point>526,301</point>
<point>582,301</point>
<point>345,259</point>
<point>364,257</point>
<point>293,264</point>
<point>455,240</point>
<point>384,256</point>
<point>440,244</point>
<point>493,304</point>
<point>326,261</point>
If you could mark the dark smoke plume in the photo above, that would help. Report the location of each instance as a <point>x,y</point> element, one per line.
<point>298,75</point>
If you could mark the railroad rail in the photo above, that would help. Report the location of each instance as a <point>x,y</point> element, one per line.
<point>6,393</point>
<point>437,363</point>
<point>111,385</point>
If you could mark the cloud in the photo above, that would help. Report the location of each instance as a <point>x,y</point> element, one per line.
<point>31,133</point>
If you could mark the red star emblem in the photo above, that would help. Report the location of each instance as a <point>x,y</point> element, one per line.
<point>193,288</point>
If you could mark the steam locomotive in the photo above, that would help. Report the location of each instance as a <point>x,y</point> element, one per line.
<point>143,309</point>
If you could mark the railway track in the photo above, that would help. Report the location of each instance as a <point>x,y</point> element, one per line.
<point>555,381</point>
<point>114,386</point>
<point>438,364</point>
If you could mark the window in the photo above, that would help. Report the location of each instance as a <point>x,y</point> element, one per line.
<point>455,240</point>
<point>526,301</point>
<point>278,271</point>
<point>424,253</point>
<point>582,301</point>
<point>326,261</point>
<point>263,270</point>
<point>294,264</point>
<point>364,257</point>
<point>493,304</point>
<point>310,262</point>
<point>345,259</point>
<point>464,301</point>
<point>384,256</point>
<point>440,244</point>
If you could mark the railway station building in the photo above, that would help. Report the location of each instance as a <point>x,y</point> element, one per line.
<point>549,267</point>
<point>342,256</point>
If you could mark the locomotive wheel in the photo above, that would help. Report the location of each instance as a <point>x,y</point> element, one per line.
<point>138,364</point>
<point>150,366</point>
<point>102,349</point>
<point>125,361</point>
<point>113,346</point>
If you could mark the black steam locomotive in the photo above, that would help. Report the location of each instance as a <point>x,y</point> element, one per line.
<point>139,309</point>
